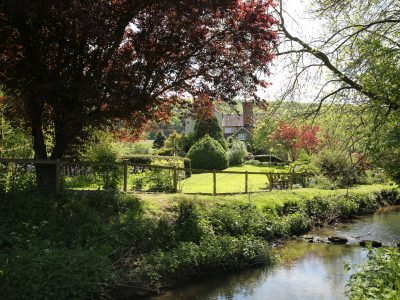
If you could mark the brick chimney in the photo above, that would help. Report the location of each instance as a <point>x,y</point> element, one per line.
<point>248,114</point>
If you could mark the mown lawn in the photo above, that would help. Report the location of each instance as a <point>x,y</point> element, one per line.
<point>228,183</point>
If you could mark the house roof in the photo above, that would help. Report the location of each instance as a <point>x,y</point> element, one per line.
<point>232,121</point>
<point>241,129</point>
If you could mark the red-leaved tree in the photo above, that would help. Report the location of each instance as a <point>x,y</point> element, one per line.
<point>73,65</point>
<point>290,139</point>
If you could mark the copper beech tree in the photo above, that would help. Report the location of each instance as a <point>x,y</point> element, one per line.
<point>72,65</point>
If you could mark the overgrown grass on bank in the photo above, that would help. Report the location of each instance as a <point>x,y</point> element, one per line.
<point>261,200</point>
<point>81,244</point>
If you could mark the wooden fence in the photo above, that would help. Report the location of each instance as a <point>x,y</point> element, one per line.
<point>276,180</point>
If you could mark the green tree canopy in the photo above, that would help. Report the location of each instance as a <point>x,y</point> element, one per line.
<point>176,142</point>
<point>209,125</point>
<point>208,154</point>
<point>159,141</point>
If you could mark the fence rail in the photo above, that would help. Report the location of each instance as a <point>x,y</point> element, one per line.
<point>276,180</point>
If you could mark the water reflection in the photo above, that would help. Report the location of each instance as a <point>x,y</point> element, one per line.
<point>308,271</point>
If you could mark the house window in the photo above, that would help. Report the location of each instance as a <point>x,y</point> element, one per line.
<point>228,130</point>
<point>242,136</point>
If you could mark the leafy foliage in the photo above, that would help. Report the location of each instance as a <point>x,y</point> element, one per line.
<point>291,139</point>
<point>14,139</point>
<point>211,254</point>
<point>338,167</point>
<point>386,148</point>
<point>72,67</point>
<point>208,125</point>
<point>378,278</point>
<point>176,143</point>
<point>208,154</point>
<point>159,141</point>
<point>79,244</point>
<point>237,152</point>
<point>105,151</point>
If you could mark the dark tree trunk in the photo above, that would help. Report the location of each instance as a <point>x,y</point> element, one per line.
<point>45,173</point>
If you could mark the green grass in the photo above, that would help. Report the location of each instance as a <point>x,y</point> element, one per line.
<point>228,183</point>
<point>261,200</point>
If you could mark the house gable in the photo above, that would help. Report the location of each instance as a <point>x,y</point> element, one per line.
<point>243,134</point>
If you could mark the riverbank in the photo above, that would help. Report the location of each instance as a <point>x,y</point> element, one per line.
<point>101,244</point>
<point>314,270</point>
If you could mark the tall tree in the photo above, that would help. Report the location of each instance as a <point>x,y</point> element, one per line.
<point>74,65</point>
<point>357,45</point>
<point>290,139</point>
<point>208,125</point>
<point>159,141</point>
<point>353,58</point>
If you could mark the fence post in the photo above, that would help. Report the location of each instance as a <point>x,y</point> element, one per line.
<point>246,179</point>
<point>291,179</point>
<point>271,181</point>
<point>175,180</point>
<point>215,182</point>
<point>125,176</point>
<point>58,177</point>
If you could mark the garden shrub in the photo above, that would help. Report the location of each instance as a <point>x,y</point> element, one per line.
<point>165,152</point>
<point>140,159</point>
<point>101,149</point>
<point>375,176</point>
<point>322,182</point>
<point>320,210</point>
<point>187,222</point>
<point>244,219</point>
<point>108,175</point>
<point>288,207</point>
<point>346,206</point>
<point>338,168</point>
<point>324,210</point>
<point>159,180</point>
<point>388,197</point>
<point>208,125</point>
<point>159,140</point>
<point>16,177</point>
<point>208,154</point>
<point>296,223</point>
<point>138,181</point>
<point>366,204</point>
<point>137,148</point>
<point>237,152</point>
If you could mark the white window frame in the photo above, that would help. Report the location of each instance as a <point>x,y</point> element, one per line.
<point>228,130</point>
<point>242,136</point>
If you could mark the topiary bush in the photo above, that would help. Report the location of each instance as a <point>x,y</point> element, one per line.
<point>209,126</point>
<point>208,154</point>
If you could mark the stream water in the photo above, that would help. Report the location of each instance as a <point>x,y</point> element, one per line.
<point>308,270</point>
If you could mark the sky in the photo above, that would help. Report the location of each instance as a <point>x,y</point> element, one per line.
<point>299,23</point>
